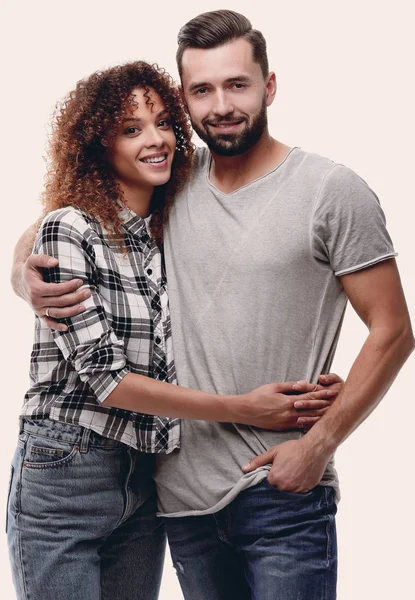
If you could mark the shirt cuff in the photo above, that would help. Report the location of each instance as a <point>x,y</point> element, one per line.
<point>104,383</point>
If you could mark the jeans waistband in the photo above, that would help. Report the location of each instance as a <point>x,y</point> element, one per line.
<point>67,432</point>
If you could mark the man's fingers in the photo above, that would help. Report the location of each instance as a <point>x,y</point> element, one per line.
<point>42,294</point>
<point>61,289</point>
<point>330,378</point>
<point>306,423</point>
<point>258,461</point>
<point>63,313</point>
<point>67,300</point>
<point>41,261</point>
<point>54,324</point>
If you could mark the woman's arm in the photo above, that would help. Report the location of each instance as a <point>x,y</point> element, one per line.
<point>267,406</point>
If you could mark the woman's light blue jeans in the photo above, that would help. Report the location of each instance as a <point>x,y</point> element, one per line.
<point>81,518</point>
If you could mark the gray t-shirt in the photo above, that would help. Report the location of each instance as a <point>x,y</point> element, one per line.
<point>255,298</point>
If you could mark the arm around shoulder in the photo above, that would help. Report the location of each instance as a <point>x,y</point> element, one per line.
<point>28,282</point>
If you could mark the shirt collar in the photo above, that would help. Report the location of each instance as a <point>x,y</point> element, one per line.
<point>134,223</point>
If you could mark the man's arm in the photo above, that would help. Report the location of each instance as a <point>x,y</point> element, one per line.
<point>60,299</point>
<point>376,295</point>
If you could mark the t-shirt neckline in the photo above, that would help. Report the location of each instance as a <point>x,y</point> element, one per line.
<point>280,164</point>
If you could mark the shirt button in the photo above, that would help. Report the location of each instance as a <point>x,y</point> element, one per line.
<point>158,340</point>
<point>149,271</point>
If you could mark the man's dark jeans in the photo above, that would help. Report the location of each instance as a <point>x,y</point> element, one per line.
<point>266,545</point>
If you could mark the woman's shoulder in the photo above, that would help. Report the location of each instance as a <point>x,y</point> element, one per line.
<point>67,219</point>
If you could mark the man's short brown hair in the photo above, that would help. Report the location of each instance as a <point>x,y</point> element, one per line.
<point>218,27</point>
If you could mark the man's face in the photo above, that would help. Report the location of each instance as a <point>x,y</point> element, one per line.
<point>227,96</point>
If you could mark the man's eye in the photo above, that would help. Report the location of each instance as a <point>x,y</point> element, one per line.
<point>238,86</point>
<point>201,91</point>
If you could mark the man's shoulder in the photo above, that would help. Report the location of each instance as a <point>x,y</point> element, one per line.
<point>312,161</point>
<point>336,170</point>
<point>200,162</point>
<point>201,159</point>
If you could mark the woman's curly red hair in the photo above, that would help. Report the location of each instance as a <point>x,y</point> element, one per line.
<point>86,121</point>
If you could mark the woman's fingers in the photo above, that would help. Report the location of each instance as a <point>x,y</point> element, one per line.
<point>312,404</point>
<point>324,394</point>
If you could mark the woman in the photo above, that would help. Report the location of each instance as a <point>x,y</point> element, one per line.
<point>82,505</point>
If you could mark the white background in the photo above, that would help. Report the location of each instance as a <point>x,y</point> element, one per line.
<point>345,76</point>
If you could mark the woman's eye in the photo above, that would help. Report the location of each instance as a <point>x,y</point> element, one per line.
<point>132,131</point>
<point>164,123</point>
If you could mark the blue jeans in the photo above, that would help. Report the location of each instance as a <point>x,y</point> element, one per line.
<point>81,519</point>
<point>266,545</point>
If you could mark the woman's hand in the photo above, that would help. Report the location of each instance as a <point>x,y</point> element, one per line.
<point>289,405</point>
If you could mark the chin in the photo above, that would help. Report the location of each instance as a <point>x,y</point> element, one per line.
<point>160,180</point>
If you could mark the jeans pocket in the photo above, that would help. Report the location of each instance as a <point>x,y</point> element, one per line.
<point>44,453</point>
<point>8,494</point>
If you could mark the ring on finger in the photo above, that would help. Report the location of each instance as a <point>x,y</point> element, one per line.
<point>47,313</point>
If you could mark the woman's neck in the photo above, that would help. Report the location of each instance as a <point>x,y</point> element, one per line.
<point>138,199</point>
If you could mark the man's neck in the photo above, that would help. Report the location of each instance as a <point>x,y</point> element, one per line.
<point>229,173</point>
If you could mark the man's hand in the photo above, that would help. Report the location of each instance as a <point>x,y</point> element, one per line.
<point>50,301</point>
<point>296,466</point>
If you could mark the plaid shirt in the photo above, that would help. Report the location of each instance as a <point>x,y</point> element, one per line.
<point>125,328</point>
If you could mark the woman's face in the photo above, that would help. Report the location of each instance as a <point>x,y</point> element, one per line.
<point>142,152</point>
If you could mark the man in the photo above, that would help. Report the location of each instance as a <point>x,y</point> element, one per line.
<point>263,248</point>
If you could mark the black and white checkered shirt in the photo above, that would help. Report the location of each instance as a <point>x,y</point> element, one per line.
<point>125,328</point>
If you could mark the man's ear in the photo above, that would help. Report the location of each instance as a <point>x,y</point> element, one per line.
<point>270,88</point>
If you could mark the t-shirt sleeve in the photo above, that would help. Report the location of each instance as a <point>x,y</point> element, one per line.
<point>90,344</point>
<point>349,228</point>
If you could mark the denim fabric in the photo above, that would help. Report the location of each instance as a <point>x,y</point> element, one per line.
<point>266,545</point>
<point>81,517</point>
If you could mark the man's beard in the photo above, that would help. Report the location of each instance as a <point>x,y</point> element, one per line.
<point>234,144</point>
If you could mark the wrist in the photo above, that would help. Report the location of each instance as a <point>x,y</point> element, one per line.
<point>17,280</point>
<point>323,445</point>
<point>234,408</point>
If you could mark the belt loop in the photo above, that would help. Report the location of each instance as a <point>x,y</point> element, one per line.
<point>86,433</point>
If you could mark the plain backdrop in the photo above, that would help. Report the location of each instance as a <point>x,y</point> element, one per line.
<point>345,90</point>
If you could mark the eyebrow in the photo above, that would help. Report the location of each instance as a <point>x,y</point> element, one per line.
<point>240,78</point>
<point>137,120</point>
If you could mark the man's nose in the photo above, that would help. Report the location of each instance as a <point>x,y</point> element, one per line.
<point>222,104</point>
